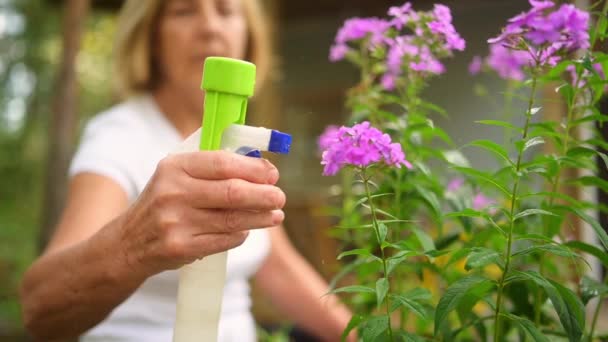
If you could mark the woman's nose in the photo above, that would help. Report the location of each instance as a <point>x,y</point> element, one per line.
<point>208,21</point>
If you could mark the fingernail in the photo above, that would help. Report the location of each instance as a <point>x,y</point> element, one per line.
<point>273,176</point>
<point>277,216</point>
<point>280,200</point>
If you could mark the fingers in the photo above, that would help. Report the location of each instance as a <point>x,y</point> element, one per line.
<point>230,221</point>
<point>218,165</point>
<point>182,249</point>
<point>235,194</point>
<point>208,244</point>
<point>207,232</point>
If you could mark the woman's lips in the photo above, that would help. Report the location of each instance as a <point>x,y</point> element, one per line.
<point>202,57</point>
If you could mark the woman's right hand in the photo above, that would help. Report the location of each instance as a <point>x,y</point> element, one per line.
<point>197,204</point>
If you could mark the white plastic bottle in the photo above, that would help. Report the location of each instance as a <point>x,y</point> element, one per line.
<point>201,283</point>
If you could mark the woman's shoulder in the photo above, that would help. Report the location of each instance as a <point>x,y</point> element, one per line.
<point>114,144</point>
<point>127,117</point>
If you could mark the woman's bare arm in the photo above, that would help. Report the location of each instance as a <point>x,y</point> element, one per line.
<point>83,273</point>
<point>195,205</point>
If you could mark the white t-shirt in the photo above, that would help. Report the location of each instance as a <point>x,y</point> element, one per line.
<point>125,144</point>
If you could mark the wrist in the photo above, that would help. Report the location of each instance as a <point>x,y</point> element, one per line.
<point>340,315</point>
<point>122,260</point>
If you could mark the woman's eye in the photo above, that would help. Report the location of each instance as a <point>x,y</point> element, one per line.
<point>181,10</point>
<point>227,8</point>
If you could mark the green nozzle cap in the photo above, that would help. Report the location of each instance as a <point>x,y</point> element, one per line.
<point>229,75</point>
<point>228,83</point>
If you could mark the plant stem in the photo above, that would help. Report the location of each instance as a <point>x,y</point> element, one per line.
<point>595,316</point>
<point>554,188</point>
<point>597,23</point>
<point>596,313</point>
<point>398,210</point>
<point>501,284</point>
<point>376,230</point>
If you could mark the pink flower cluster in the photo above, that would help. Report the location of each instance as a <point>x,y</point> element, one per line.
<point>546,33</point>
<point>508,64</point>
<point>429,36</point>
<point>479,200</point>
<point>585,75</point>
<point>360,145</point>
<point>356,29</point>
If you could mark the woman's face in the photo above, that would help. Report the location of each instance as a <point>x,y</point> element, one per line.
<point>192,30</point>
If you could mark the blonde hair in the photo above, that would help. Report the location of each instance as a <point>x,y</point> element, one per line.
<point>134,68</point>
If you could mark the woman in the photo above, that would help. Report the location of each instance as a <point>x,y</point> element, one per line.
<point>133,216</point>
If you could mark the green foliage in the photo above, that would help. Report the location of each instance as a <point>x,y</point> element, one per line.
<point>33,54</point>
<point>509,259</point>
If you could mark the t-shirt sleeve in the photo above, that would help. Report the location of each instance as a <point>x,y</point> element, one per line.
<point>104,149</point>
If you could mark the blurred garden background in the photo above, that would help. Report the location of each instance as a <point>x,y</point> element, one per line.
<point>41,113</point>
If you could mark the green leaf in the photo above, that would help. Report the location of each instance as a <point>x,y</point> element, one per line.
<point>353,323</point>
<point>431,199</point>
<point>604,158</point>
<point>433,107</point>
<point>551,248</point>
<point>567,91</point>
<point>570,200</point>
<point>528,326</point>
<point>494,148</point>
<point>459,254</point>
<point>436,253</point>
<point>419,293</point>
<point>587,248</point>
<point>529,212</point>
<point>534,110</point>
<point>591,288</point>
<point>482,176</point>
<point>557,71</point>
<point>407,337</point>
<point>534,237</point>
<point>381,290</point>
<point>382,231</point>
<point>398,258</point>
<point>499,123</point>
<point>591,181</point>
<point>579,151</point>
<point>568,307</point>
<point>573,162</point>
<point>601,28</point>
<point>394,221</point>
<point>468,212</point>
<point>425,240</point>
<point>380,211</point>
<point>520,295</point>
<point>412,305</point>
<point>354,289</point>
<point>443,242</point>
<point>454,294</point>
<point>364,199</point>
<point>599,230</point>
<point>374,327</point>
<point>601,118</point>
<point>573,315</point>
<point>367,226</point>
<point>481,257</point>
<point>346,269</point>
<point>360,252</point>
<point>532,142</point>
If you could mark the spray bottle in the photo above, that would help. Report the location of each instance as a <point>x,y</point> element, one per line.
<point>228,83</point>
